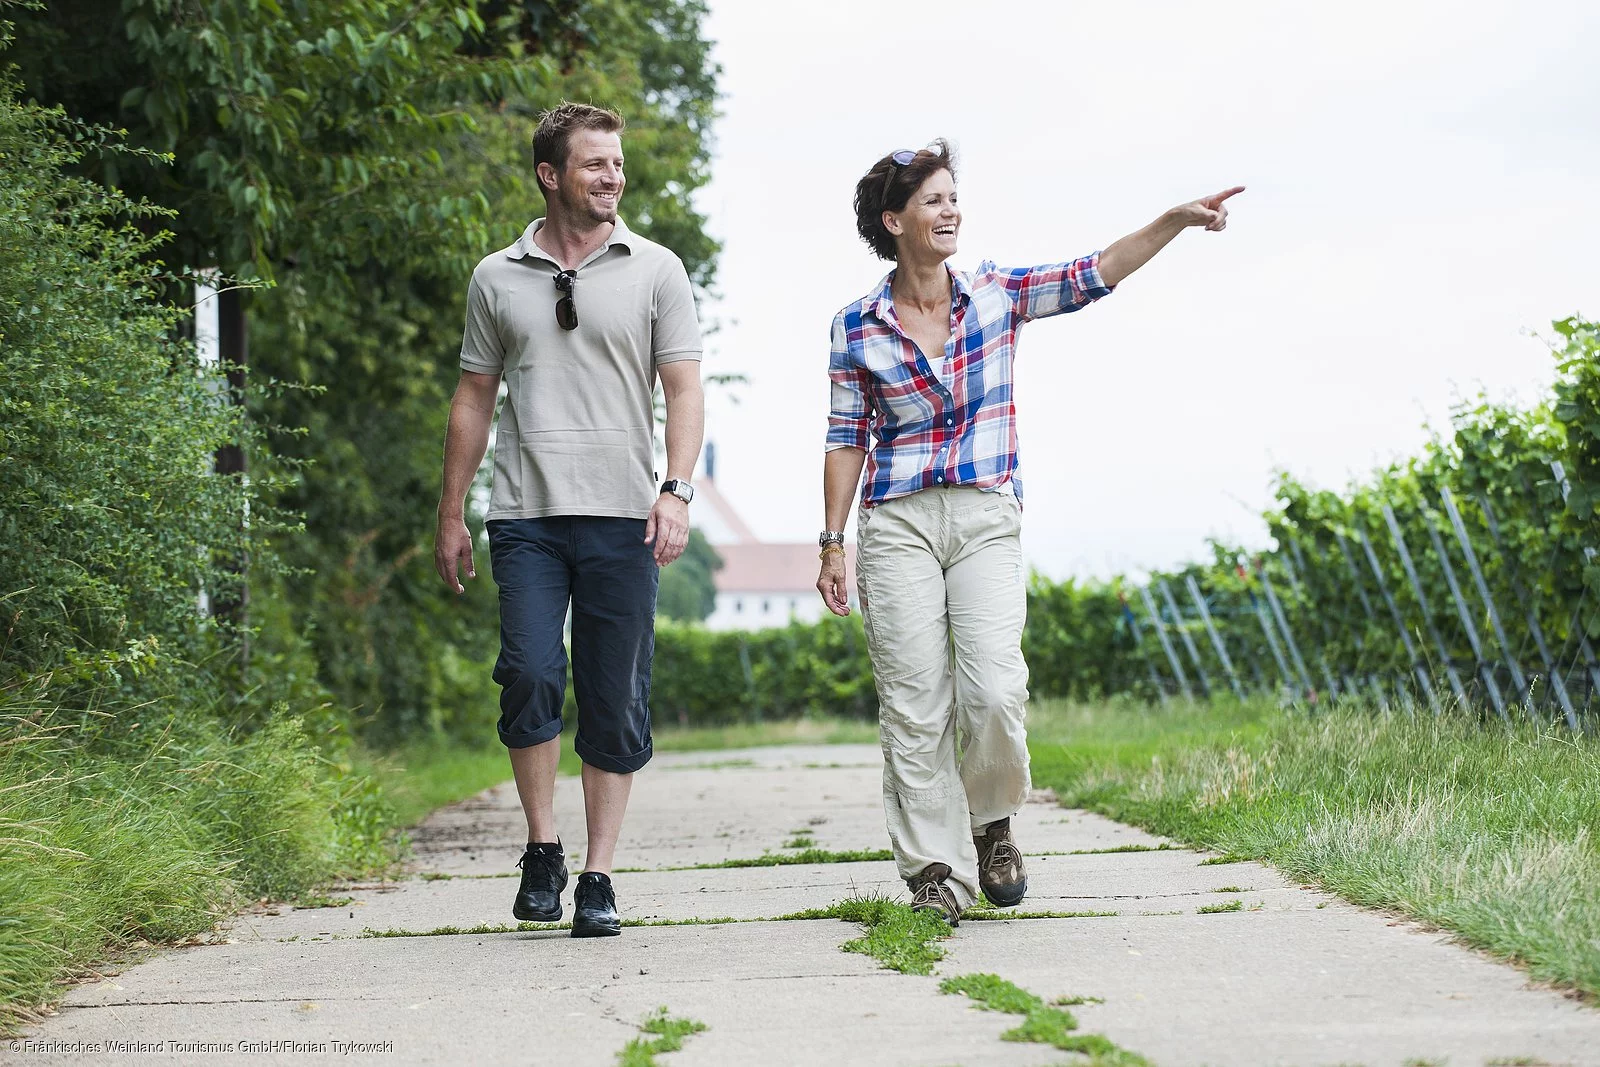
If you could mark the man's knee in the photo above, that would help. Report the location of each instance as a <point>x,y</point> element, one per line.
<point>530,702</point>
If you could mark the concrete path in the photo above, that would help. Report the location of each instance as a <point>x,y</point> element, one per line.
<point>1294,978</point>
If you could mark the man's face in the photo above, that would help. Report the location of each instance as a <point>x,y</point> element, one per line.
<point>590,185</point>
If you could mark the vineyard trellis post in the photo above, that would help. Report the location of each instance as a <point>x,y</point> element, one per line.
<point>1422,602</point>
<point>1283,625</point>
<point>1366,608</point>
<point>1482,665</point>
<point>1518,679</point>
<point>1166,642</point>
<point>1211,631</point>
<point>1321,626</point>
<point>1138,643</point>
<point>1417,667</point>
<point>1557,684</point>
<point>1588,555</point>
<point>1188,642</point>
<point>1266,629</point>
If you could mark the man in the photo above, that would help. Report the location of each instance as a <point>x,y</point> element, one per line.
<point>578,317</point>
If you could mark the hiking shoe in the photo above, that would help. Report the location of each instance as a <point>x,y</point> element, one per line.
<point>930,893</point>
<point>1001,875</point>
<point>594,907</point>
<point>544,876</point>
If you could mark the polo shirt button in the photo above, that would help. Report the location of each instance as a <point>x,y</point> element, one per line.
<point>949,422</point>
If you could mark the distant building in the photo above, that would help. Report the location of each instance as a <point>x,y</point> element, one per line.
<point>759,584</point>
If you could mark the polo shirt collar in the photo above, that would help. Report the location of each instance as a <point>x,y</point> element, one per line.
<point>524,247</point>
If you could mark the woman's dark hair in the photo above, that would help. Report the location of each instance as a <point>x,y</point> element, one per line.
<point>888,187</point>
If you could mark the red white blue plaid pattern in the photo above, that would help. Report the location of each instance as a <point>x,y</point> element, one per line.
<point>953,424</point>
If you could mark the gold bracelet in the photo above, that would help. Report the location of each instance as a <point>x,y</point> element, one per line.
<point>831,546</point>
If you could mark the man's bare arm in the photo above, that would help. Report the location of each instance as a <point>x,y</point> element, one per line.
<point>466,440</point>
<point>667,529</point>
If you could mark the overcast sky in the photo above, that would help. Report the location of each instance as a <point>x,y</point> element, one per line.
<point>1422,194</point>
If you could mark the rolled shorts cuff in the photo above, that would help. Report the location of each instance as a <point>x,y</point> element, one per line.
<point>529,738</point>
<point>606,761</point>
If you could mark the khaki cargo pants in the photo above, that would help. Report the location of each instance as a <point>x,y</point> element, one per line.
<point>944,598</point>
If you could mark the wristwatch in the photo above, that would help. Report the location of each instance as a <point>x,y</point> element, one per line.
<point>678,488</point>
<point>830,537</point>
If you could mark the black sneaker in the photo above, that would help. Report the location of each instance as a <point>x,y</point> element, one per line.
<point>544,876</point>
<point>594,907</point>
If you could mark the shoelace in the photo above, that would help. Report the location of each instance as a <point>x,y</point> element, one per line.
<point>935,894</point>
<point>551,861</point>
<point>1002,855</point>
<point>593,886</point>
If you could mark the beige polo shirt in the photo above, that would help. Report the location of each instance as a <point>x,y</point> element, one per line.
<point>576,432</point>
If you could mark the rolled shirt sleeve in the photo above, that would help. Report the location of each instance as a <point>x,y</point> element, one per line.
<point>1054,288</point>
<point>676,327</point>
<point>849,406</point>
<point>481,350</point>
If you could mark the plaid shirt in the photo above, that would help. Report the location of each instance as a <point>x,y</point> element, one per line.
<point>955,424</point>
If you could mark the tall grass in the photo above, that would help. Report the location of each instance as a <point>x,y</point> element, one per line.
<point>153,832</point>
<point>1485,832</point>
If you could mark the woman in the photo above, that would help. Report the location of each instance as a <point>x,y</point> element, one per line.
<point>922,395</point>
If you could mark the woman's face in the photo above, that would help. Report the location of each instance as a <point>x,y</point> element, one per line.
<point>925,230</point>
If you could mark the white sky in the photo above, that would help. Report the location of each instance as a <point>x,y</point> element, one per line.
<point>1423,184</point>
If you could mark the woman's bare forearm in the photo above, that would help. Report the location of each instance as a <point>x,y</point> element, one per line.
<point>1128,254</point>
<point>841,473</point>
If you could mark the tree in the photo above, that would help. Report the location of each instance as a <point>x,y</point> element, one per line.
<point>688,591</point>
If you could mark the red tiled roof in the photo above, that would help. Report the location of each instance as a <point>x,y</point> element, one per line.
<point>767,568</point>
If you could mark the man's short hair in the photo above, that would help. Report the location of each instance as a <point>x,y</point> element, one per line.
<point>552,141</point>
<point>888,187</point>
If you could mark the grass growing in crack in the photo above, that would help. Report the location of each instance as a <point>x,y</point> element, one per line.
<point>1112,849</point>
<point>318,900</point>
<point>1488,833</point>
<point>999,915</point>
<point>809,855</point>
<point>1230,889</point>
<point>1215,861</point>
<point>1073,1002</point>
<point>1218,909</point>
<point>1042,1023</point>
<point>801,840</point>
<point>528,928</point>
<point>897,937</point>
<point>669,1034</point>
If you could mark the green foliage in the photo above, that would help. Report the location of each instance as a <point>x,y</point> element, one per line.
<point>705,677</point>
<point>111,522</point>
<point>1042,1023</point>
<point>688,593</point>
<point>157,833</point>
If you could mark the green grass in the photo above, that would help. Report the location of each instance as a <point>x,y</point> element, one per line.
<point>897,937</point>
<point>792,859</point>
<point>1042,1023</point>
<point>112,841</point>
<point>1487,833</point>
<point>1220,909</point>
<point>668,1037</point>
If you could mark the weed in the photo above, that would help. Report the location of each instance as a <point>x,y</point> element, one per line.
<point>1042,1023</point>
<point>1219,909</point>
<point>669,1034</point>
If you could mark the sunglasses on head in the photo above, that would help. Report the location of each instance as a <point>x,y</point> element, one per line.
<point>901,158</point>
<point>566,309</point>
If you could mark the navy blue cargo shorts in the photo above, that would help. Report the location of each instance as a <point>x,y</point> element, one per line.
<point>604,570</point>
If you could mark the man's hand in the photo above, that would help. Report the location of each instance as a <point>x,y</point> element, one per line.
<point>1207,211</point>
<point>452,546</point>
<point>667,528</point>
<point>833,583</point>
